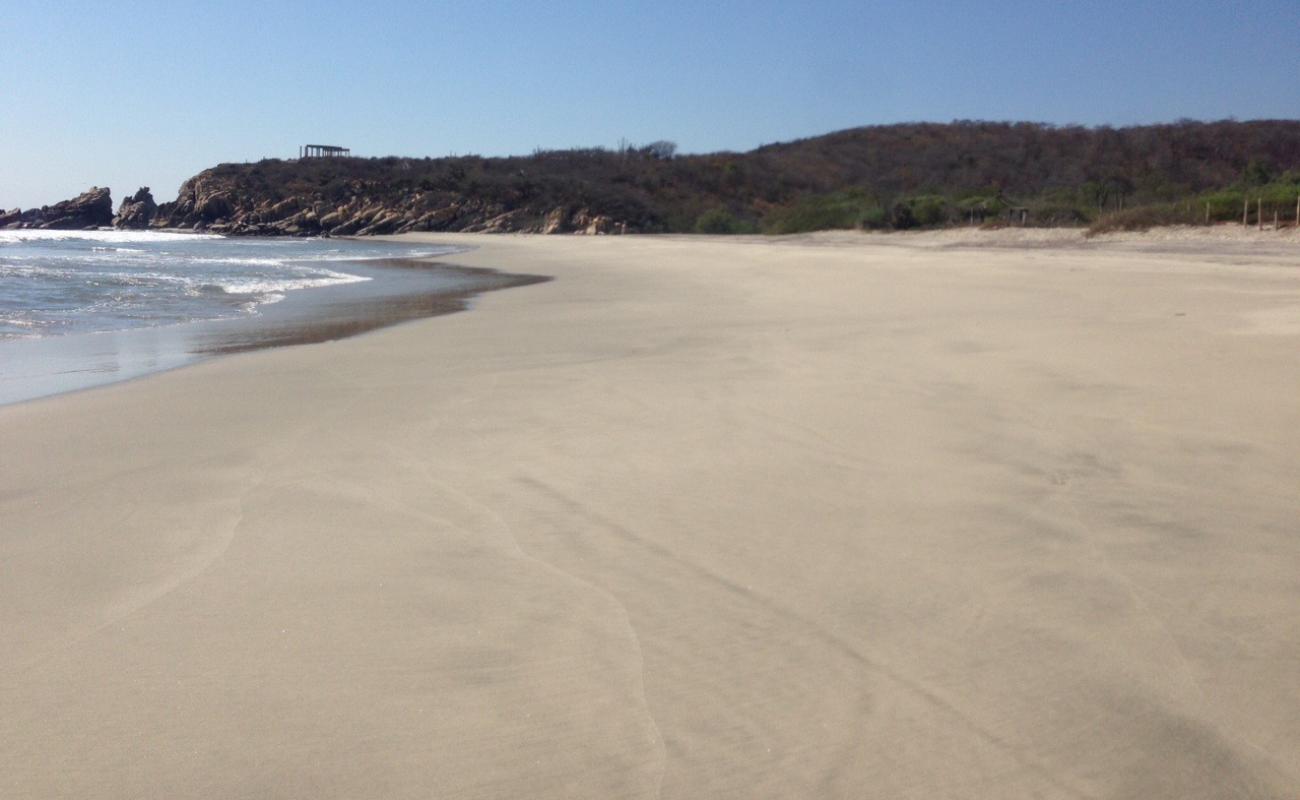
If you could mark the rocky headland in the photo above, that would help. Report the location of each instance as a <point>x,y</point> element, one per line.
<point>882,177</point>
<point>217,201</point>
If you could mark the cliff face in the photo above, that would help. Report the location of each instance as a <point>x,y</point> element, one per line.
<point>90,209</point>
<point>220,201</point>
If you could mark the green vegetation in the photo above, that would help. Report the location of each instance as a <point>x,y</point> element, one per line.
<point>885,177</point>
<point>838,210</point>
<point>1141,218</point>
<point>720,220</point>
<point>1223,205</point>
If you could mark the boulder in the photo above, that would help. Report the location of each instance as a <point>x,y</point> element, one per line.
<point>599,225</point>
<point>162,218</point>
<point>437,220</point>
<point>555,221</point>
<point>136,211</point>
<point>214,207</point>
<point>333,218</point>
<point>302,223</point>
<point>383,223</point>
<point>282,209</point>
<point>204,199</point>
<point>502,223</point>
<point>347,228</point>
<point>580,220</point>
<point>90,209</point>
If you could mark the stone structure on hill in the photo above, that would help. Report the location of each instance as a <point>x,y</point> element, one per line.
<point>323,151</point>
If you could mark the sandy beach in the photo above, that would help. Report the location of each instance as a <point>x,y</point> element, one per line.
<point>948,515</point>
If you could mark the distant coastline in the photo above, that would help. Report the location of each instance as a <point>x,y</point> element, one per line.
<point>893,177</point>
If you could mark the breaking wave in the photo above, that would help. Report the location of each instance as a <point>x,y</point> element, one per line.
<point>54,282</point>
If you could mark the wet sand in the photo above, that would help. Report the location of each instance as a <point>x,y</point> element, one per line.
<point>397,290</point>
<point>830,516</point>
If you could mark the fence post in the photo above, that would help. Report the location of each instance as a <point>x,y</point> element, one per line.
<point>1259,212</point>
<point>1207,213</point>
<point>1275,219</point>
<point>1245,211</point>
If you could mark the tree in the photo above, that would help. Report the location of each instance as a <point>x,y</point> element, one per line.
<point>901,217</point>
<point>1257,172</point>
<point>662,149</point>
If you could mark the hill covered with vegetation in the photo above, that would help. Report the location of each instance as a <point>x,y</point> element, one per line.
<point>887,177</point>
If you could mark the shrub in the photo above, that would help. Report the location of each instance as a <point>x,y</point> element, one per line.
<point>981,208</point>
<point>721,221</point>
<point>1226,204</point>
<point>841,210</point>
<point>1051,214</point>
<point>1141,218</point>
<point>874,218</point>
<point>901,217</point>
<point>1257,173</point>
<point>929,209</point>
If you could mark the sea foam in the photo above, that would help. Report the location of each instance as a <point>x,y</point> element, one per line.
<point>55,282</point>
<point>123,236</point>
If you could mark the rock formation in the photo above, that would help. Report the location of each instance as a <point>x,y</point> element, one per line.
<point>91,209</point>
<point>136,211</point>
<point>214,202</point>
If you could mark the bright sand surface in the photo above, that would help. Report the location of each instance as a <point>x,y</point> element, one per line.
<point>838,516</point>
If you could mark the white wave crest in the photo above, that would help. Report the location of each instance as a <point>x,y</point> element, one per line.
<point>274,286</point>
<point>110,236</point>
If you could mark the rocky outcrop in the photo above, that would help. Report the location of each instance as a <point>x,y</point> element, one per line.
<point>203,207</point>
<point>230,200</point>
<point>228,213</point>
<point>136,211</point>
<point>201,202</point>
<point>88,210</point>
<point>584,221</point>
<point>554,221</point>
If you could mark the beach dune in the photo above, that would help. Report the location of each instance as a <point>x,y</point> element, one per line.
<point>946,515</point>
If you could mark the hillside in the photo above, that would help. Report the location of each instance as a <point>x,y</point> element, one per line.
<point>895,176</point>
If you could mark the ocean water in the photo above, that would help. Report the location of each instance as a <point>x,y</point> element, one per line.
<point>80,309</point>
<point>68,282</point>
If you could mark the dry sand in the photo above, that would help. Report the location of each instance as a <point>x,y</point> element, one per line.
<point>833,516</point>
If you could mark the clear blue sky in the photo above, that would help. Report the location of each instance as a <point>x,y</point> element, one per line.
<point>128,93</point>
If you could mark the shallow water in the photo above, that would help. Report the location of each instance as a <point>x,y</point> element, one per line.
<point>90,308</point>
<point>60,282</point>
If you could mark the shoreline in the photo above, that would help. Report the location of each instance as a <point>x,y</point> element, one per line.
<point>698,517</point>
<point>399,289</point>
